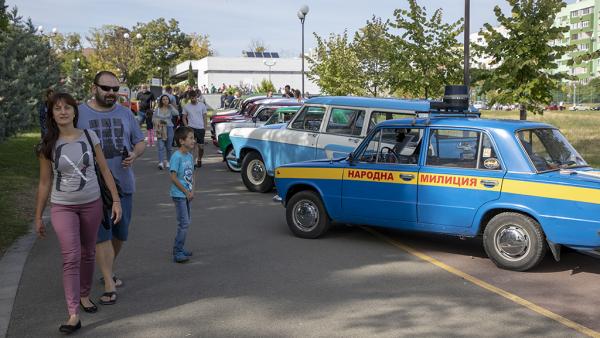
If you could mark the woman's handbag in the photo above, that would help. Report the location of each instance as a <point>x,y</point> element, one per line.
<point>107,200</point>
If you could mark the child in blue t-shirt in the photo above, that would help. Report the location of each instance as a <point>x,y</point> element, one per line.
<point>182,174</point>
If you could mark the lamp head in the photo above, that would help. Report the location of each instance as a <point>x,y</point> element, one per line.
<point>126,35</point>
<point>300,16</point>
<point>304,10</point>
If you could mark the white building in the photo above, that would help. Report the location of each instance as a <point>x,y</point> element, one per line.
<point>248,71</point>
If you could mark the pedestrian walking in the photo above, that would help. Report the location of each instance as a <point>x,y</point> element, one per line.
<point>163,124</point>
<point>182,193</point>
<point>195,116</point>
<point>146,99</point>
<point>122,143</point>
<point>43,110</point>
<point>150,128</point>
<point>68,176</point>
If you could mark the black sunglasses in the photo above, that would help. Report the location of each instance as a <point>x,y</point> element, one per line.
<point>107,88</point>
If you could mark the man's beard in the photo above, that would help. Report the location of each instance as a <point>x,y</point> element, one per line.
<point>103,102</point>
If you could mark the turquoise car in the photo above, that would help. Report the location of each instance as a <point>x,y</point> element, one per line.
<point>279,116</point>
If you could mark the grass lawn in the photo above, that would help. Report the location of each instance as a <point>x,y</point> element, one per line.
<point>19,172</point>
<point>582,128</point>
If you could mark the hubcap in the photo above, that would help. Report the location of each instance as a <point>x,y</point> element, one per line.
<point>512,242</point>
<point>231,161</point>
<point>256,172</point>
<point>305,215</point>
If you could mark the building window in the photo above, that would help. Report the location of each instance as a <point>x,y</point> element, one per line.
<point>585,24</point>
<point>574,14</point>
<point>585,11</point>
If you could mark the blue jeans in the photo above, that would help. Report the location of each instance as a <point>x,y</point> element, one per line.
<point>162,144</point>
<point>182,208</point>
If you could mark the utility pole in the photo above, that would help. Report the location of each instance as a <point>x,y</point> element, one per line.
<point>467,80</point>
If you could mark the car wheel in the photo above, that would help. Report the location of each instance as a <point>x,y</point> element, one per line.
<point>254,173</point>
<point>306,216</point>
<point>231,161</point>
<point>514,241</point>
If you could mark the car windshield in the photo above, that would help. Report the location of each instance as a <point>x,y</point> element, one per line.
<point>548,149</point>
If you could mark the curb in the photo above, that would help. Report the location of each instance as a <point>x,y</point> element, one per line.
<point>11,269</point>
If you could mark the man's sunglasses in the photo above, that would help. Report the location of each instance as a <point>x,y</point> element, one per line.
<point>107,88</point>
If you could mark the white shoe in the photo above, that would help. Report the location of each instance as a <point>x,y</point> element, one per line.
<point>160,166</point>
<point>167,166</point>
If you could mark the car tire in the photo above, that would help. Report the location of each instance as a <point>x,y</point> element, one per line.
<point>514,241</point>
<point>232,164</point>
<point>254,173</point>
<point>306,216</point>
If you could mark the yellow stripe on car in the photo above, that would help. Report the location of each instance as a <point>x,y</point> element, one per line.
<point>545,190</point>
<point>556,191</point>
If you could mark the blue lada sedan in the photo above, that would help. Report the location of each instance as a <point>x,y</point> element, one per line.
<point>519,184</point>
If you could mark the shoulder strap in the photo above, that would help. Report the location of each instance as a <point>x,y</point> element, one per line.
<point>90,142</point>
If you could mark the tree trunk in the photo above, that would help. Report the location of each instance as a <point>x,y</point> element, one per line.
<point>522,112</point>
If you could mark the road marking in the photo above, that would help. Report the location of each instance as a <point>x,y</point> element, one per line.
<point>512,297</point>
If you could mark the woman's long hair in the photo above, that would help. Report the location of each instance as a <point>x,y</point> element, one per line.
<point>46,146</point>
<point>160,103</point>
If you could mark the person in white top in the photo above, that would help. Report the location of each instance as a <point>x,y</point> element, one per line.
<point>194,116</point>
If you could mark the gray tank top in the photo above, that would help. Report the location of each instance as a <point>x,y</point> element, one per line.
<point>75,180</point>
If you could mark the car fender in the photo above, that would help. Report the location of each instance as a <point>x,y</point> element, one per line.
<point>477,225</point>
<point>285,192</point>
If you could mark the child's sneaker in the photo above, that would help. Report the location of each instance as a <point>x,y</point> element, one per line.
<point>160,166</point>
<point>181,258</point>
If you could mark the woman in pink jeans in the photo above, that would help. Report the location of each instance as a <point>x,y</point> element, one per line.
<point>68,175</point>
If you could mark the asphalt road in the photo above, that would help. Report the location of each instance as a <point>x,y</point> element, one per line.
<point>250,277</point>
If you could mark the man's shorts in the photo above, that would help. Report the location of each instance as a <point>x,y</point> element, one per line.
<point>199,135</point>
<point>121,229</point>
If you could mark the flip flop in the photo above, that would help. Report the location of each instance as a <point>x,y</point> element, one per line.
<point>118,282</point>
<point>110,296</point>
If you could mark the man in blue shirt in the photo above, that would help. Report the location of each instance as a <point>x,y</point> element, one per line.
<point>122,143</point>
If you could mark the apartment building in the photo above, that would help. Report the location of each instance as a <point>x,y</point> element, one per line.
<point>584,33</point>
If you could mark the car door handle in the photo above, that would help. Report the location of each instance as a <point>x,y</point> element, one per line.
<point>489,183</point>
<point>313,134</point>
<point>407,177</point>
<point>353,140</point>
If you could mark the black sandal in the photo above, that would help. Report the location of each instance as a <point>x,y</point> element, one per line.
<point>68,329</point>
<point>110,296</point>
<point>90,309</point>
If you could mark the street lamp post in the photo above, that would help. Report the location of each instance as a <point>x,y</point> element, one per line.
<point>270,63</point>
<point>302,12</point>
<point>467,80</point>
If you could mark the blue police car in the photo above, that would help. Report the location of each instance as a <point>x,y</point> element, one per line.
<point>519,184</point>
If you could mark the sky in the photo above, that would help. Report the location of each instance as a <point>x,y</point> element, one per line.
<point>232,24</point>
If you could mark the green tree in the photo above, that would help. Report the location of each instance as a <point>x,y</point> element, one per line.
<point>198,48</point>
<point>28,67</point>
<point>371,45</point>
<point>523,60</point>
<point>336,66</point>
<point>116,49</point>
<point>190,79</point>
<point>265,86</point>
<point>426,54</point>
<point>75,68</point>
<point>162,45</point>
<point>3,16</point>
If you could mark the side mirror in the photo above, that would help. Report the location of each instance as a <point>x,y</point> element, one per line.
<point>254,119</point>
<point>351,157</point>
